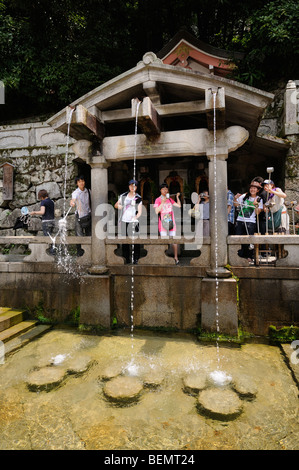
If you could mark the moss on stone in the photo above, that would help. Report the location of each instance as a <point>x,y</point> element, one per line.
<point>285,334</point>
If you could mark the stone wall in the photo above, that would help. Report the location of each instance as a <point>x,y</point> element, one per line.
<point>163,297</point>
<point>282,119</point>
<point>269,299</point>
<point>32,285</point>
<point>37,153</point>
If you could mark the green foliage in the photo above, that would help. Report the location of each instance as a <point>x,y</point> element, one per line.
<point>270,43</point>
<point>40,312</point>
<point>73,318</point>
<point>51,53</point>
<point>286,334</point>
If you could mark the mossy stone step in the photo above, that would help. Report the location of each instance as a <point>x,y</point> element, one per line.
<point>16,330</point>
<point>24,337</point>
<point>9,317</point>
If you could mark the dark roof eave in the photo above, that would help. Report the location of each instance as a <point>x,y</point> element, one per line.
<point>183,34</point>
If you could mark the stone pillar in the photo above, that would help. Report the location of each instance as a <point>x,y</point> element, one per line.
<point>218,215</point>
<point>221,316</point>
<point>95,308</point>
<point>291,131</point>
<point>291,102</point>
<point>220,294</point>
<point>99,195</point>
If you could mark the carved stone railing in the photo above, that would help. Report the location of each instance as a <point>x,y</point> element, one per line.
<point>156,249</point>
<point>284,247</point>
<point>38,245</point>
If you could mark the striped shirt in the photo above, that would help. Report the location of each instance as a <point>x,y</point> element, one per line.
<point>230,202</point>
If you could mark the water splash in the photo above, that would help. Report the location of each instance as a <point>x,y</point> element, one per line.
<point>59,359</point>
<point>64,259</point>
<point>220,378</point>
<point>132,369</point>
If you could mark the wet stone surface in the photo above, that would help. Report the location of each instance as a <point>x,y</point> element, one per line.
<point>161,402</point>
<point>245,387</point>
<point>153,379</point>
<point>111,371</point>
<point>218,403</point>
<point>78,365</point>
<point>46,379</point>
<point>123,389</point>
<point>193,383</point>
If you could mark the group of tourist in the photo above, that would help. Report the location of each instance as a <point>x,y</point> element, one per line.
<point>259,210</point>
<point>130,205</point>
<point>81,199</point>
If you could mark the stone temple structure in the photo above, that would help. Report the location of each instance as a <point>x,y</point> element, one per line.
<point>178,94</point>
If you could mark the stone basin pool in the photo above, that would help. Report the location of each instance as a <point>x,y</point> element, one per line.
<point>72,391</point>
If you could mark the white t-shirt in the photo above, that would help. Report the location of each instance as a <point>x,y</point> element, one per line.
<point>130,207</point>
<point>82,199</point>
<point>278,201</point>
<point>247,209</point>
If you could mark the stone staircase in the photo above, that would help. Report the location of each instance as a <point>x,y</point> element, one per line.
<point>16,330</point>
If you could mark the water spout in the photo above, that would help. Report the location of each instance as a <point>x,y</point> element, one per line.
<point>138,102</point>
<point>72,109</point>
<point>64,259</point>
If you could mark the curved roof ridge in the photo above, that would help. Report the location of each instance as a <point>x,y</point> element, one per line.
<point>207,48</point>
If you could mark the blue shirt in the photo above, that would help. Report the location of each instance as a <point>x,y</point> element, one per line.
<point>49,209</point>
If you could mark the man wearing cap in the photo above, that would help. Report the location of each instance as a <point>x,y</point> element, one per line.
<point>278,209</point>
<point>130,205</point>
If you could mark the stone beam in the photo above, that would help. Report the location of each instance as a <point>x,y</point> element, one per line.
<point>174,144</point>
<point>83,149</point>
<point>164,110</point>
<point>215,98</point>
<point>84,125</point>
<point>151,89</point>
<point>148,119</point>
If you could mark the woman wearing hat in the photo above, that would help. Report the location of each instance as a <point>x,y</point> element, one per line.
<point>278,214</point>
<point>250,205</point>
<point>130,205</point>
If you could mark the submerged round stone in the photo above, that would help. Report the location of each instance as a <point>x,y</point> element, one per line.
<point>218,403</point>
<point>193,383</point>
<point>46,379</point>
<point>78,365</point>
<point>153,379</point>
<point>111,371</point>
<point>245,387</point>
<point>123,389</point>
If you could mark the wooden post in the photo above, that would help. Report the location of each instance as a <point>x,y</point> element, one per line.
<point>7,181</point>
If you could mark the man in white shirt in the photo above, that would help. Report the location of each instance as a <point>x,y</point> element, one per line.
<point>130,205</point>
<point>82,200</point>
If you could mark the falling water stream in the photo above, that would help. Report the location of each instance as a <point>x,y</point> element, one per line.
<point>218,376</point>
<point>64,258</point>
<point>132,369</point>
<point>66,158</point>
